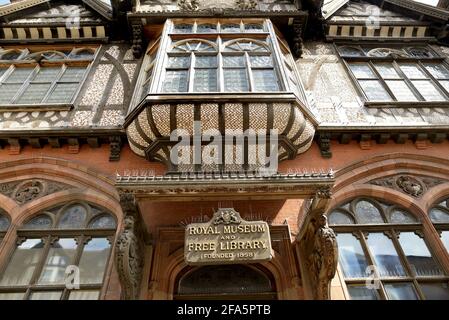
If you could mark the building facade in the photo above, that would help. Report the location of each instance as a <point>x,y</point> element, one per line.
<point>318,130</point>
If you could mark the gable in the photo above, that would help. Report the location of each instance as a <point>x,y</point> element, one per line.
<point>53,21</point>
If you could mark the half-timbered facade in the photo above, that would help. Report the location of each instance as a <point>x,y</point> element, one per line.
<point>124,123</point>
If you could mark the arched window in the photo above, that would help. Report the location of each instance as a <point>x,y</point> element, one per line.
<point>383,254</point>
<point>239,281</point>
<point>439,214</point>
<point>4,224</point>
<point>62,253</point>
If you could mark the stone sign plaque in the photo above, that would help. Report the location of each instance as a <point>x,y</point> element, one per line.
<point>227,239</point>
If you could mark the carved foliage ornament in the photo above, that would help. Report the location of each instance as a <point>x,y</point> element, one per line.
<point>193,5</point>
<point>130,249</point>
<point>29,190</point>
<point>414,186</point>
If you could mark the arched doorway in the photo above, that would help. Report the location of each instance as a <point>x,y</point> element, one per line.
<point>240,282</point>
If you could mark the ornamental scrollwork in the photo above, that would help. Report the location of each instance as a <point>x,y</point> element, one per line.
<point>415,186</point>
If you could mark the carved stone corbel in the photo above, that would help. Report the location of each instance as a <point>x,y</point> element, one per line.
<point>137,41</point>
<point>297,41</point>
<point>130,253</point>
<point>324,142</point>
<point>318,246</point>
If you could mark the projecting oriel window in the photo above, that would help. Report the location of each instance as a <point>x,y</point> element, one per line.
<point>226,56</point>
<point>62,253</point>
<point>399,74</point>
<point>50,77</point>
<point>383,253</point>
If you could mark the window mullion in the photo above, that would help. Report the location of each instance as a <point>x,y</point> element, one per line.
<point>434,80</point>
<point>191,75</point>
<point>25,84</point>
<point>407,81</point>
<point>55,81</point>
<point>48,240</point>
<point>382,81</point>
<point>249,72</point>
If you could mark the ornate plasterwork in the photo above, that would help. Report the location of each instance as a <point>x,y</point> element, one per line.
<point>318,246</point>
<point>129,255</point>
<point>28,190</point>
<point>415,186</point>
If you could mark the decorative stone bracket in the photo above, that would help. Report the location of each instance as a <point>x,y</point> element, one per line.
<point>318,247</point>
<point>130,249</point>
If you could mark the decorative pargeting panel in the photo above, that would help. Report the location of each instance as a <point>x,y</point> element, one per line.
<point>149,132</point>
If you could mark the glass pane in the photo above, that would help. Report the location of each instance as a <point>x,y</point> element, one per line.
<point>103,222</point>
<point>374,90</point>
<point>63,93</point>
<point>351,256</point>
<point>82,54</point>
<point>34,93</point>
<point>205,80</point>
<point>367,213</point>
<point>418,255</point>
<point>401,90</point>
<point>93,261</point>
<point>183,28</point>
<point>428,90</point>
<point>206,28</point>
<point>265,80</point>
<point>206,61</point>
<point>445,239</point>
<point>39,223</point>
<point>60,256</point>
<point>8,91</point>
<point>4,223</point>
<point>439,216</point>
<point>73,74</point>
<point>358,292</point>
<point>2,71</point>
<point>399,216</point>
<point>412,71</point>
<point>338,217</point>
<point>179,62</point>
<point>12,296</point>
<point>22,264</point>
<point>73,217</point>
<point>11,55</point>
<point>385,256</point>
<point>387,71</point>
<point>400,291</point>
<point>19,75</point>
<point>362,71</point>
<point>84,295</point>
<point>230,28</point>
<point>261,61</point>
<point>47,74</point>
<point>437,70</point>
<point>435,291</point>
<point>254,27</point>
<point>233,61</point>
<point>46,295</point>
<point>176,81</point>
<point>235,80</point>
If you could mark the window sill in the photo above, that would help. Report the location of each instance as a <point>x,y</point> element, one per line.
<point>406,104</point>
<point>36,107</point>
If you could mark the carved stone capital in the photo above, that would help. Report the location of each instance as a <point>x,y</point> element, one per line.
<point>129,254</point>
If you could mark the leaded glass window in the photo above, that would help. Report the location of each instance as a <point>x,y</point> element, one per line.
<point>30,77</point>
<point>208,57</point>
<point>62,253</point>
<point>439,214</point>
<point>398,74</point>
<point>383,254</point>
